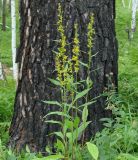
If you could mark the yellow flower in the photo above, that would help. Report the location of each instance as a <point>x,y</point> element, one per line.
<point>76,50</point>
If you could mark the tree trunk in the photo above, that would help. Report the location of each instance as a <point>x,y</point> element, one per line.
<point>1,72</point>
<point>123,3</point>
<point>4,15</point>
<point>36,64</point>
<point>13,40</point>
<point>1,6</point>
<point>134,11</point>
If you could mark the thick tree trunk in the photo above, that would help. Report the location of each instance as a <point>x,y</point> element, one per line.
<point>36,64</point>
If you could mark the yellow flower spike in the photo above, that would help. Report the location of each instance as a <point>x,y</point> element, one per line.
<point>65,66</point>
<point>76,50</point>
<point>90,35</point>
<point>61,58</point>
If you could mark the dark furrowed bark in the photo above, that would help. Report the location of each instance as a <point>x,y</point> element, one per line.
<point>36,65</point>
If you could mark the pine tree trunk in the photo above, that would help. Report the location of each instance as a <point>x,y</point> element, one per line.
<point>36,65</point>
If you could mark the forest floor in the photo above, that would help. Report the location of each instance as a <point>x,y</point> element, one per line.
<point>128,65</point>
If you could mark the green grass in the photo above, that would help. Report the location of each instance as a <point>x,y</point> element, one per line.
<point>5,38</point>
<point>128,55</point>
<point>5,43</point>
<point>7,94</point>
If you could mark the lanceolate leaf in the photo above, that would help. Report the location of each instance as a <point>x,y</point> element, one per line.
<point>54,122</point>
<point>127,156</point>
<point>85,114</point>
<point>83,64</point>
<point>52,157</point>
<point>55,82</point>
<point>93,150</point>
<point>53,103</point>
<point>81,94</point>
<point>87,104</point>
<point>70,106</point>
<point>78,132</point>
<point>59,134</point>
<point>58,113</point>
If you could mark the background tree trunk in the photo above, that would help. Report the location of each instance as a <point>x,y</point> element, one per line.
<point>36,64</point>
<point>4,15</point>
<point>1,72</point>
<point>13,40</point>
<point>134,12</point>
<point>1,6</point>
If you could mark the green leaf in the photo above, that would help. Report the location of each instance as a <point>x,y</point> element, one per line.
<point>85,114</point>
<point>81,94</point>
<point>27,149</point>
<point>78,132</point>
<point>54,122</point>
<point>76,122</point>
<point>52,157</point>
<point>70,106</point>
<point>78,82</point>
<point>127,156</point>
<point>82,127</point>
<point>89,82</point>
<point>87,104</point>
<point>58,113</point>
<point>59,134</point>
<point>83,64</point>
<point>69,124</point>
<point>93,150</point>
<point>60,146</point>
<point>55,51</point>
<point>48,150</point>
<point>53,103</point>
<point>55,82</point>
<point>11,156</point>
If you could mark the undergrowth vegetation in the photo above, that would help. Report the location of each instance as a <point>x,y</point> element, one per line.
<point>119,139</point>
<point>7,94</point>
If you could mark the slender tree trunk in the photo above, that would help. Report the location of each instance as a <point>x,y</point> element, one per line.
<point>4,15</point>
<point>36,65</point>
<point>130,1</point>
<point>123,2</point>
<point>13,44</point>
<point>9,5</point>
<point>1,6</point>
<point>134,10</point>
<point>1,72</point>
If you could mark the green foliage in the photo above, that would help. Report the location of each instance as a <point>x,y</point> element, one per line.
<point>7,94</point>
<point>8,154</point>
<point>4,128</point>
<point>121,132</point>
<point>53,157</point>
<point>128,57</point>
<point>127,157</point>
<point>92,148</point>
<point>5,38</point>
